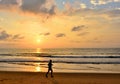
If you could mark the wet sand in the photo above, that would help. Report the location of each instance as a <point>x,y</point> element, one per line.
<point>59,78</point>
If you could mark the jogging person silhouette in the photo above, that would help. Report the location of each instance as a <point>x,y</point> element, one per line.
<point>50,68</point>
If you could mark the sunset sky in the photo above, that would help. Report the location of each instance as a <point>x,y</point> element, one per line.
<point>59,23</point>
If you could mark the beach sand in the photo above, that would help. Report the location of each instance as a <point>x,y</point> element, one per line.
<point>59,78</point>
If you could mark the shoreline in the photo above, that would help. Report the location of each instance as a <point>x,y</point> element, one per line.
<point>15,77</point>
<point>81,72</point>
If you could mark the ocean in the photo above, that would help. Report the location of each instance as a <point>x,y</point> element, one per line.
<point>76,60</point>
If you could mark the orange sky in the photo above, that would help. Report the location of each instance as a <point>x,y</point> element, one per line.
<point>55,28</point>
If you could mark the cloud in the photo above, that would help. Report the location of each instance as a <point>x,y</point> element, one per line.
<point>101,15</point>
<point>49,7</point>
<point>4,35</point>
<point>17,36</point>
<point>102,2</point>
<point>45,34</point>
<point>39,6</point>
<point>33,6</point>
<point>72,7</point>
<point>60,35</point>
<point>19,2</point>
<point>68,6</point>
<point>82,5</point>
<point>113,13</point>
<point>83,33</point>
<point>8,2</point>
<point>52,10</point>
<point>77,28</point>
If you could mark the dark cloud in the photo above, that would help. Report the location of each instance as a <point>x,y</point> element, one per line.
<point>77,28</point>
<point>38,6</point>
<point>113,13</point>
<point>83,33</point>
<point>45,34</point>
<point>52,10</point>
<point>8,2</point>
<point>4,35</point>
<point>17,36</point>
<point>32,5</point>
<point>60,35</point>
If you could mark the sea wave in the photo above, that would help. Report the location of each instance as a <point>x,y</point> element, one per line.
<point>69,62</point>
<point>59,56</point>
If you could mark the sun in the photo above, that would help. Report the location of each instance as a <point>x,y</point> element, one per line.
<point>38,40</point>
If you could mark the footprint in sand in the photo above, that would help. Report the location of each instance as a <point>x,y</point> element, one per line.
<point>54,81</point>
<point>3,80</point>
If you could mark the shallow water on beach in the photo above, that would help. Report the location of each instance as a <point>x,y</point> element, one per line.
<point>96,60</point>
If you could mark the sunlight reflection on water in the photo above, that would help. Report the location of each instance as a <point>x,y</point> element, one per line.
<point>37,68</point>
<point>38,50</point>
